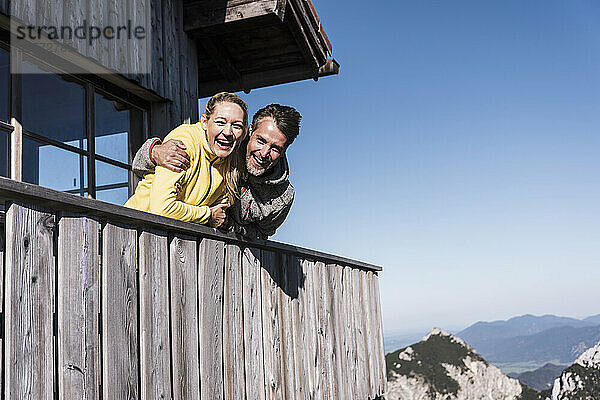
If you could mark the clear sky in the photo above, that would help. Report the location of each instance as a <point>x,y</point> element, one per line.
<point>459,148</point>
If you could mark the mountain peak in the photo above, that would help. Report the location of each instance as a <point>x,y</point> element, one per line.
<point>590,358</point>
<point>442,366</point>
<point>449,336</point>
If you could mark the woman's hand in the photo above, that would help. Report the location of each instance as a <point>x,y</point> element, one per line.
<point>171,155</point>
<point>217,215</point>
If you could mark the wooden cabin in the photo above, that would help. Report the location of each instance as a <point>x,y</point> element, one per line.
<point>104,302</point>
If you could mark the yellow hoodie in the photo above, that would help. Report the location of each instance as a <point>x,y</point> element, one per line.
<point>203,183</point>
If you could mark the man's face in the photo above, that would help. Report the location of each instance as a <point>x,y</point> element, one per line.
<point>266,144</point>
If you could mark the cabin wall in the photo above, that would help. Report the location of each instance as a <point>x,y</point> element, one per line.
<point>173,56</point>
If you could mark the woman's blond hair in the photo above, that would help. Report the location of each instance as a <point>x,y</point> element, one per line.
<point>235,163</point>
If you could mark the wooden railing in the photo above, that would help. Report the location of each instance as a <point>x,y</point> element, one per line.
<point>104,302</point>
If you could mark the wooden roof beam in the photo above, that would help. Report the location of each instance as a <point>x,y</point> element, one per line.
<point>208,14</point>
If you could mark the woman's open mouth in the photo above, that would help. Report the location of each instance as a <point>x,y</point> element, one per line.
<point>224,144</point>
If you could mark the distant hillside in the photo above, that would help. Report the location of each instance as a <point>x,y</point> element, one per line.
<point>580,381</point>
<point>563,344</point>
<point>594,319</point>
<point>524,325</point>
<point>541,378</point>
<point>443,367</point>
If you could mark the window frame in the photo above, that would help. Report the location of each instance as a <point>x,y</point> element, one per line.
<point>91,85</point>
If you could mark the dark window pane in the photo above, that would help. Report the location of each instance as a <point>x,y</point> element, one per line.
<point>112,183</point>
<point>4,153</point>
<point>4,85</point>
<point>112,127</point>
<point>53,167</point>
<point>53,107</point>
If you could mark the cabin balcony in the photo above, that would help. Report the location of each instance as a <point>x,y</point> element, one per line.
<point>105,302</point>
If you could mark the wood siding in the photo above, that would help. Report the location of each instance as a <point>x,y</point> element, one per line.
<point>145,314</point>
<point>172,63</point>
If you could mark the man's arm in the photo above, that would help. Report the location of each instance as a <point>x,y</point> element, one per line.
<point>171,155</point>
<point>142,162</point>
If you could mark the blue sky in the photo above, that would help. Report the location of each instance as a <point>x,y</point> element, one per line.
<point>459,149</point>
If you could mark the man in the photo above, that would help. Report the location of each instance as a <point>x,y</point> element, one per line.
<point>267,194</point>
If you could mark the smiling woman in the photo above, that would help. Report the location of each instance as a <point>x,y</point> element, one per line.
<point>210,184</point>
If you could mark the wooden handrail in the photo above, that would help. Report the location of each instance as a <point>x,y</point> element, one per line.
<point>11,190</point>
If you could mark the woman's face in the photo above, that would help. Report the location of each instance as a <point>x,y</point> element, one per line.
<point>225,128</point>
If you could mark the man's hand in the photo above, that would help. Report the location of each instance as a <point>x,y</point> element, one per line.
<point>217,215</point>
<point>171,155</point>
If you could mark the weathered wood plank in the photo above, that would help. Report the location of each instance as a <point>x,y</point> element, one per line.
<point>296,281</point>
<point>119,313</point>
<point>171,64</point>
<point>184,318</point>
<point>233,322</point>
<point>368,333</point>
<point>30,284</point>
<point>289,290</point>
<point>253,344</point>
<point>379,323</point>
<point>271,311</point>
<point>97,49</point>
<point>322,320</point>
<point>210,293</point>
<point>307,314</point>
<point>350,336</point>
<point>359,326</point>
<point>157,51</point>
<point>335,330</point>
<point>155,346</point>
<point>78,308</point>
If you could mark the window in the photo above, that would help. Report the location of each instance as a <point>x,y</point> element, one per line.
<point>76,136</point>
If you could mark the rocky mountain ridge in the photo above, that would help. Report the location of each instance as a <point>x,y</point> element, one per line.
<point>443,367</point>
<point>580,381</point>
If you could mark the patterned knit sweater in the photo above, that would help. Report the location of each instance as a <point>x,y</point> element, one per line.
<point>265,200</point>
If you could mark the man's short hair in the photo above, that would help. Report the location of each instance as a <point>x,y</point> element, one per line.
<point>286,118</point>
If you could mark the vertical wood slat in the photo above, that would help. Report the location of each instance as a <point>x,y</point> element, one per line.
<point>351,335</point>
<point>184,320</point>
<point>309,329</point>
<point>296,280</point>
<point>210,292</point>
<point>287,291</point>
<point>368,333</point>
<point>29,362</point>
<point>374,333</point>
<point>380,344</point>
<point>78,308</point>
<point>271,325</point>
<point>323,371</point>
<point>253,344</point>
<point>233,322</point>
<point>155,342</point>
<point>335,281</point>
<point>361,365</point>
<point>119,313</point>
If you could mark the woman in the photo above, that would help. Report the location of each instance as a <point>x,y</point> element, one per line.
<point>210,184</point>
